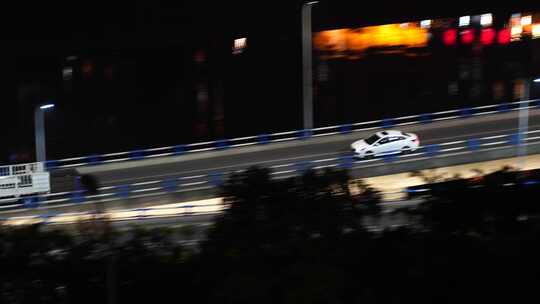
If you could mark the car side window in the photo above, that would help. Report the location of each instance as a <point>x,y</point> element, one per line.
<point>384,141</point>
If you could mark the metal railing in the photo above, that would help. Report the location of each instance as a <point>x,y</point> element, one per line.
<point>263,139</point>
<point>213,180</point>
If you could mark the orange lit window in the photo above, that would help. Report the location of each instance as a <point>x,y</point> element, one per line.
<point>389,35</point>
<point>536,30</point>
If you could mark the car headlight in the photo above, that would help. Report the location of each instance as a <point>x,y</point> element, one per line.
<point>357,150</point>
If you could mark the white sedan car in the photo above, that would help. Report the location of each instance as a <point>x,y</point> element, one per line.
<point>385,143</point>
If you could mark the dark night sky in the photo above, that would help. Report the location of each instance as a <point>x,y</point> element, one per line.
<point>38,27</point>
<point>118,21</point>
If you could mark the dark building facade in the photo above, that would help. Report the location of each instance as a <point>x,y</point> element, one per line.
<point>424,66</point>
<point>144,91</point>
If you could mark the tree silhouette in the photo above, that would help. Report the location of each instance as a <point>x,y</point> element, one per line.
<point>271,226</point>
<point>298,240</point>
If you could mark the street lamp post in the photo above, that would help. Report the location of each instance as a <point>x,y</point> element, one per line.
<point>524,120</point>
<point>307,74</point>
<point>39,126</point>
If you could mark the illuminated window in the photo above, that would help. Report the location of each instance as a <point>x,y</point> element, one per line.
<point>67,73</point>
<point>516,33</point>
<point>425,23</point>
<point>526,20</point>
<point>515,20</point>
<point>464,20</point>
<point>395,36</point>
<point>536,30</point>
<point>332,40</point>
<point>239,45</point>
<point>486,20</point>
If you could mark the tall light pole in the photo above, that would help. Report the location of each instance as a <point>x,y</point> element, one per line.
<point>39,126</point>
<point>307,74</point>
<point>524,120</point>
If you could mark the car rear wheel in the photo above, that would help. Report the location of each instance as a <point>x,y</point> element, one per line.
<point>405,150</point>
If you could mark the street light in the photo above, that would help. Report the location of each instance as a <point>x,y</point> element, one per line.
<point>39,125</point>
<point>524,120</point>
<point>307,75</point>
<point>47,106</point>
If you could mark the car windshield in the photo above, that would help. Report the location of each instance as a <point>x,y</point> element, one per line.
<point>373,138</point>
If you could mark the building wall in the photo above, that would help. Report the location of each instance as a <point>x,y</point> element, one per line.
<point>354,84</point>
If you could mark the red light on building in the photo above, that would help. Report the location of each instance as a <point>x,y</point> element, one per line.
<point>487,36</point>
<point>87,68</point>
<point>503,37</point>
<point>467,36</point>
<point>449,37</point>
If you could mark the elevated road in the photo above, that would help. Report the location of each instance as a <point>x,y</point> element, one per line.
<point>325,150</point>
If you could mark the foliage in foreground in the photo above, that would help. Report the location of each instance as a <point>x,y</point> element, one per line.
<point>298,240</point>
